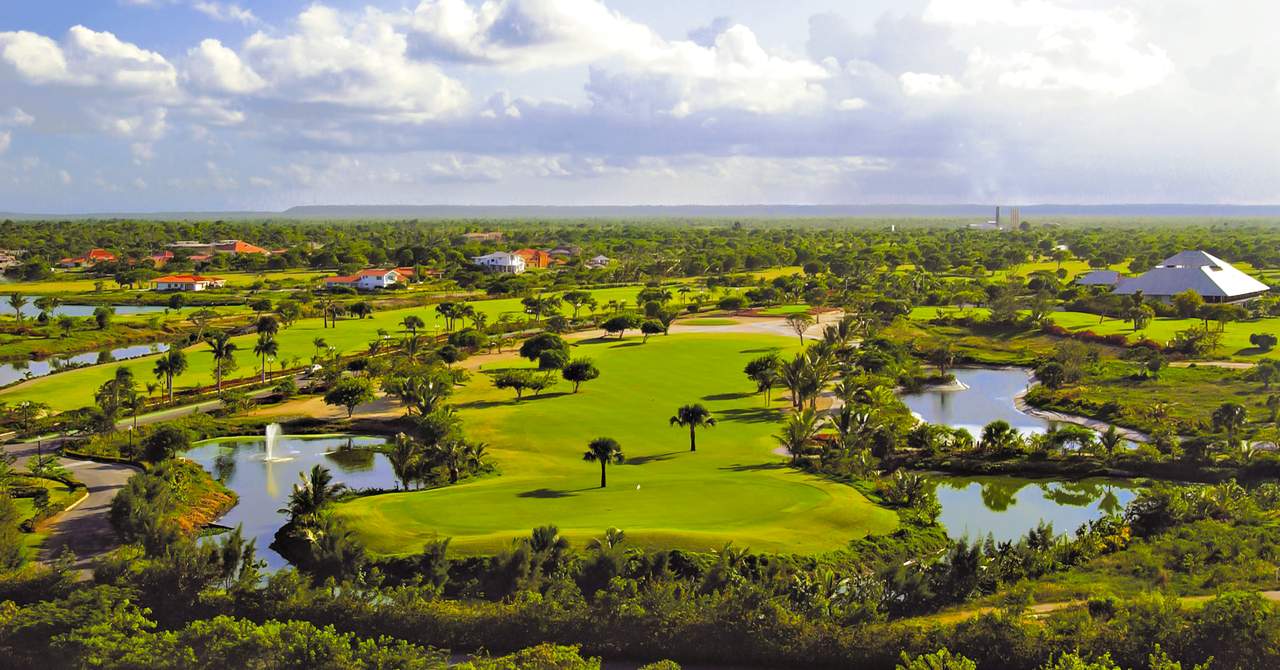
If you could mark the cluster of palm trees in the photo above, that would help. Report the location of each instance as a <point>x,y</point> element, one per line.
<point>414,459</point>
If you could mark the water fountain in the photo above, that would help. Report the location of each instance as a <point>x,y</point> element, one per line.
<point>273,434</point>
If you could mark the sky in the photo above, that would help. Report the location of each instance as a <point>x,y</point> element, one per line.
<point>153,105</point>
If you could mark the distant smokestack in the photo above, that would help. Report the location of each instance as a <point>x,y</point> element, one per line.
<point>997,216</point>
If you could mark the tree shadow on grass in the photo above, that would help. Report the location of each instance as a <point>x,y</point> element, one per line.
<point>727,396</point>
<point>756,415</point>
<point>485,404</point>
<point>755,468</point>
<point>620,345</point>
<point>642,460</point>
<point>545,493</point>
<point>1251,351</point>
<point>765,350</point>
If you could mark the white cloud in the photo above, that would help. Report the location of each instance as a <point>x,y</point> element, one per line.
<point>213,66</point>
<point>86,58</point>
<point>224,11</point>
<point>16,116</point>
<point>925,84</point>
<point>353,62</point>
<point>35,58</point>
<point>6,138</point>
<point>1038,45</point>
<point>64,177</point>
<point>851,104</point>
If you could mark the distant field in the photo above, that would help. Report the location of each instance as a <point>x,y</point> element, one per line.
<point>76,284</point>
<point>784,310</point>
<point>1235,339</point>
<point>709,322</point>
<point>73,389</point>
<point>732,488</point>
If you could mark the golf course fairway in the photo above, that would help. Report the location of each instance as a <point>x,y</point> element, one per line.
<point>733,488</point>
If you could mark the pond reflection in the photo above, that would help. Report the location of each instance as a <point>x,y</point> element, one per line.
<point>1008,507</point>
<point>263,485</point>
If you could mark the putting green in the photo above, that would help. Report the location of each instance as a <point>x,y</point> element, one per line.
<point>732,489</point>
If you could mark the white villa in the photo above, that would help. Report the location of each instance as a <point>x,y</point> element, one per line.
<point>599,261</point>
<point>1213,278</point>
<point>500,261</point>
<point>366,280</point>
<point>188,283</point>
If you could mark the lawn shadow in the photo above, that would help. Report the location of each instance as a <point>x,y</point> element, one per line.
<point>727,396</point>
<point>1251,351</point>
<point>626,344</point>
<point>755,468</point>
<point>545,493</point>
<point>642,460</point>
<point>485,404</point>
<point>755,415</point>
<point>765,350</point>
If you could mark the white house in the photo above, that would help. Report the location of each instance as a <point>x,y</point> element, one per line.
<point>1213,278</point>
<point>599,261</point>
<point>366,280</point>
<point>188,283</point>
<point>500,261</point>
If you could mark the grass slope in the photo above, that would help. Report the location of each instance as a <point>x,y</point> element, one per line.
<point>732,488</point>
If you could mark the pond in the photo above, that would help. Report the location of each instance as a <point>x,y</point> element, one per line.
<point>263,486</point>
<point>11,373</point>
<point>1008,507</point>
<point>989,397</point>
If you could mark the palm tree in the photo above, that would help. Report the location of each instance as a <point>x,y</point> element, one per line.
<point>412,323</point>
<point>1230,417</point>
<point>223,350</point>
<point>456,455</point>
<point>405,456</point>
<point>764,372</point>
<point>267,324</point>
<point>47,303</point>
<point>694,416</point>
<point>17,301</point>
<point>603,450</point>
<point>1110,440</point>
<point>315,490</point>
<point>265,346</point>
<point>799,432</point>
<point>168,366</point>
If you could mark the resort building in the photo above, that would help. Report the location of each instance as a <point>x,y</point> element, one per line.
<point>234,247</point>
<point>188,283</point>
<point>366,280</point>
<point>534,258</point>
<point>94,257</point>
<point>599,261</point>
<point>1213,278</point>
<point>500,261</point>
<point>1099,278</point>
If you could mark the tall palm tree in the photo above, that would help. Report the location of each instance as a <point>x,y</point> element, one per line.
<point>315,490</point>
<point>223,350</point>
<point>799,432</point>
<point>267,324</point>
<point>794,375</point>
<point>1110,440</point>
<point>603,450</point>
<point>265,347</point>
<point>1230,417</point>
<point>764,372</point>
<point>693,416</point>
<point>47,303</point>
<point>17,301</point>
<point>170,365</point>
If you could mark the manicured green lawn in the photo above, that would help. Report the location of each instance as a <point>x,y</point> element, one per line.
<point>709,322</point>
<point>732,488</point>
<point>74,388</point>
<point>80,283</point>
<point>784,310</point>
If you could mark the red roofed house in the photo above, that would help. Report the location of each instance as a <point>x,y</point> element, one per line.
<point>161,258</point>
<point>94,257</point>
<point>366,280</point>
<point>188,283</point>
<point>534,258</point>
<point>238,247</point>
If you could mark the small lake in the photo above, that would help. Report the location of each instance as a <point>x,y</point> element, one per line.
<point>264,486</point>
<point>989,397</point>
<point>1008,507</point>
<point>15,372</point>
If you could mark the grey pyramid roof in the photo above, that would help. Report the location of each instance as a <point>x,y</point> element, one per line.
<point>1199,271</point>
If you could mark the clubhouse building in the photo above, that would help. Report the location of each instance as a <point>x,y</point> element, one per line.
<point>1211,277</point>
